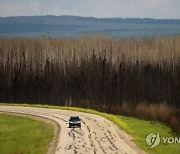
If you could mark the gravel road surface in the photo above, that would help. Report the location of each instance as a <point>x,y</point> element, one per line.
<point>97,135</point>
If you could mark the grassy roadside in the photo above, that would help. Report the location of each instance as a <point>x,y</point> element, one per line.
<point>23,134</point>
<point>137,128</point>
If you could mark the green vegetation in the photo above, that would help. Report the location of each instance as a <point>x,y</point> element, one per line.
<point>22,134</point>
<point>137,128</point>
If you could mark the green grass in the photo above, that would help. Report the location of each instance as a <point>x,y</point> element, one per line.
<point>22,134</point>
<point>137,128</point>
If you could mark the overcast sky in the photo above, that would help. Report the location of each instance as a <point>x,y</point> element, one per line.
<point>95,8</point>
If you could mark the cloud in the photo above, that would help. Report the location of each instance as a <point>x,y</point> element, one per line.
<point>57,10</point>
<point>96,8</point>
<point>12,8</point>
<point>138,8</point>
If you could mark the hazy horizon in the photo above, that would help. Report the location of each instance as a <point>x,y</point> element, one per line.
<point>156,9</point>
<point>90,17</point>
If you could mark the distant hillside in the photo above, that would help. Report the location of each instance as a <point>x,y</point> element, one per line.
<point>71,26</point>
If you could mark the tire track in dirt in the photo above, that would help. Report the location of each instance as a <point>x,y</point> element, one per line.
<point>96,136</point>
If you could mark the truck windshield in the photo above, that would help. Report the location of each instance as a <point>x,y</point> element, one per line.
<point>74,118</point>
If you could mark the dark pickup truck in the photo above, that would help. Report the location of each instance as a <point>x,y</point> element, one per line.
<point>74,121</point>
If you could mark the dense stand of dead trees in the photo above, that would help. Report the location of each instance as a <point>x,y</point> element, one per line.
<point>131,77</point>
<point>95,72</point>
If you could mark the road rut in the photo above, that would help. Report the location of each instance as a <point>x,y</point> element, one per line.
<point>97,135</point>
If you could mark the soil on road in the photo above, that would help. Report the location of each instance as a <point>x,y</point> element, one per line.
<point>97,135</point>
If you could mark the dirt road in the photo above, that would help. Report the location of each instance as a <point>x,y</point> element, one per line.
<point>96,136</point>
